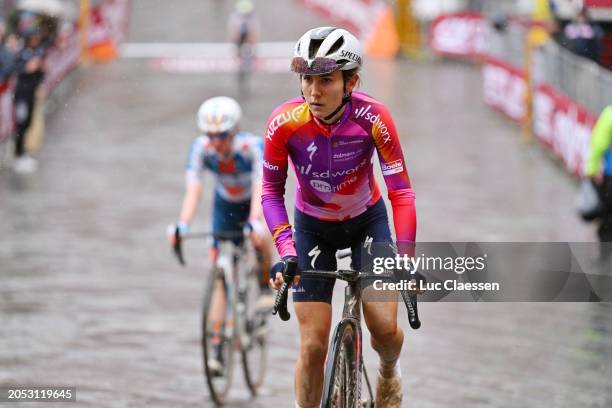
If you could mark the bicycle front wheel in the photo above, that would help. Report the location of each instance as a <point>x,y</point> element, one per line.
<point>254,336</point>
<point>342,386</point>
<point>217,337</point>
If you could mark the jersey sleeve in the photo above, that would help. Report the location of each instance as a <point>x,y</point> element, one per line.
<point>275,165</point>
<point>195,161</point>
<point>601,141</point>
<point>396,178</point>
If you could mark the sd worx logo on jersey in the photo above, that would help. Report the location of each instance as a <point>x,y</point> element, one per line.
<point>282,118</point>
<point>324,186</point>
<point>374,120</point>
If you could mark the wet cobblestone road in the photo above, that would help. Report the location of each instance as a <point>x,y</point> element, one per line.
<point>91,297</point>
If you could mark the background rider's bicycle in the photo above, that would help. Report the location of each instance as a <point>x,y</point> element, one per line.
<point>243,324</point>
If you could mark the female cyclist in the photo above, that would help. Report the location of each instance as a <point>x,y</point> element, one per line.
<point>330,134</point>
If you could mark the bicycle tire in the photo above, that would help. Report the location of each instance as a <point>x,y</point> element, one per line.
<point>218,385</point>
<point>254,346</point>
<point>342,386</point>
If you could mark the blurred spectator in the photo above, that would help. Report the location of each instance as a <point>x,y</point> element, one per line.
<point>9,45</point>
<point>600,150</point>
<point>30,68</point>
<point>583,37</point>
<point>243,26</point>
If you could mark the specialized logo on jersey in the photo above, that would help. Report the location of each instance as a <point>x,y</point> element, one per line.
<point>367,244</point>
<point>314,254</point>
<point>282,118</point>
<point>374,120</point>
<point>312,148</point>
<point>393,167</point>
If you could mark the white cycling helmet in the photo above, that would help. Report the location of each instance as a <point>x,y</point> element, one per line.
<point>244,6</point>
<point>326,49</point>
<point>219,114</point>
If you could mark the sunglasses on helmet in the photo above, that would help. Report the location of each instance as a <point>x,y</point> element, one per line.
<point>319,66</point>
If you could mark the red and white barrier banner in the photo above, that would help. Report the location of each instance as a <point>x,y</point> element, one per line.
<point>459,35</point>
<point>563,126</point>
<point>372,21</point>
<point>109,21</point>
<point>62,58</point>
<point>6,110</point>
<point>505,88</point>
<point>598,3</point>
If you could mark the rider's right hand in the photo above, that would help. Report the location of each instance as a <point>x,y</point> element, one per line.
<point>171,232</point>
<point>287,267</point>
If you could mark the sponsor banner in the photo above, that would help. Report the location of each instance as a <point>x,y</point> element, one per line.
<point>505,88</point>
<point>600,10</point>
<point>62,59</point>
<point>109,20</point>
<point>598,3</point>
<point>197,65</point>
<point>459,35</point>
<point>563,126</point>
<point>372,21</point>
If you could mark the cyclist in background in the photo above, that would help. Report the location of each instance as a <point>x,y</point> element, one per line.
<point>243,30</point>
<point>330,135</point>
<point>235,157</point>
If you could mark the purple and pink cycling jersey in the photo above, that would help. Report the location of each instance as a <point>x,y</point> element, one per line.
<point>333,166</point>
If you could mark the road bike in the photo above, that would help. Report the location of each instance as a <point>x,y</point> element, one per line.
<point>344,368</point>
<point>243,328</point>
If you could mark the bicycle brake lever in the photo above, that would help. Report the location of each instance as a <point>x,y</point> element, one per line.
<point>178,249</point>
<point>280,303</point>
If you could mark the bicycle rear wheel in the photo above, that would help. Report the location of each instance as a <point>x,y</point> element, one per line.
<point>254,334</point>
<point>342,386</point>
<point>217,341</point>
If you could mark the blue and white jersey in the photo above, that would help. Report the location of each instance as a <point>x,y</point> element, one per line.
<point>235,173</point>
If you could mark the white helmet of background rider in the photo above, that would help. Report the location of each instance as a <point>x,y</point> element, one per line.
<point>219,114</point>
<point>244,6</point>
<point>326,49</point>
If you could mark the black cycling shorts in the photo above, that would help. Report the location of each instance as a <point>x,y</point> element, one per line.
<point>317,242</point>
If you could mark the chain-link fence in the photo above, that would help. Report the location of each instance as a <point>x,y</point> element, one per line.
<point>584,81</point>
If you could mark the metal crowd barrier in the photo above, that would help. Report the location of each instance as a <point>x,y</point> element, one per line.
<point>507,45</point>
<point>583,80</point>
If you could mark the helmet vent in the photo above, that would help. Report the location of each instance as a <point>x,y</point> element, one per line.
<point>342,62</point>
<point>314,47</point>
<point>336,46</point>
